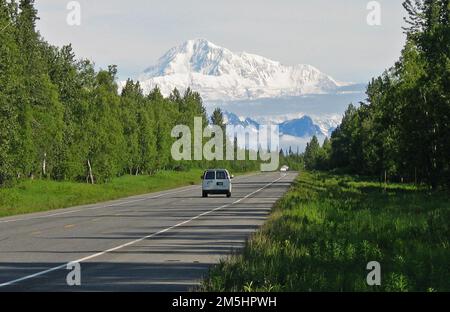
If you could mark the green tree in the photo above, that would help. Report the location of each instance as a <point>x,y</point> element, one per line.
<point>311,153</point>
<point>131,100</point>
<point>217,119</point>
<point>9,76</point>
<point>105,133</point>
<point>41,112</point>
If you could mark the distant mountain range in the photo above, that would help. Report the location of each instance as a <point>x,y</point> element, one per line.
<point>219,74</point>
<point>303,127</point>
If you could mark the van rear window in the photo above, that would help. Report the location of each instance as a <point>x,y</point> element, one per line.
<point>221,175</point>
<point>209,175</point>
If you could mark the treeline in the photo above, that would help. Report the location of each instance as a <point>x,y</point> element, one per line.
<point>294,160</point>
<point>402,130</point>
<point>61,119</point>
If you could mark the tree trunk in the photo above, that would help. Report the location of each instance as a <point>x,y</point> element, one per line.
<point>44,165</point>
<point>90,176</point>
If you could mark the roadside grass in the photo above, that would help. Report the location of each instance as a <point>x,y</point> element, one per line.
<point>327,228</point>
<point>42,195</point>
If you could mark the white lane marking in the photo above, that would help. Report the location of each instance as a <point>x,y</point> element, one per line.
<point>185,189</point>
<point>137,240</point>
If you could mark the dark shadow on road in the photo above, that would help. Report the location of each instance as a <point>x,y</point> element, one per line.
<point>106,276</point>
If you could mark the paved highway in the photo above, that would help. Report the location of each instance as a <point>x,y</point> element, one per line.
<point>162,241</point>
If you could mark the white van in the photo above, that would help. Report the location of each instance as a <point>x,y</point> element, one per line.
<point>216,181</point>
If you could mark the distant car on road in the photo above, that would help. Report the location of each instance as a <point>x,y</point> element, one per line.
<point>216,181</point>
<point>284,169</point>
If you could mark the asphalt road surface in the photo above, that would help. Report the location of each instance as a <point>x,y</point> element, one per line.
<point>162,241</point>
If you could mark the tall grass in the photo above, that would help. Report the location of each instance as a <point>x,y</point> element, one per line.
<point>41,195</point>
<point>323,233</point>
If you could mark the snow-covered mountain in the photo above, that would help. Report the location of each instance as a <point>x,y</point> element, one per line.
<point>302,100</point>
<point>219,74</point>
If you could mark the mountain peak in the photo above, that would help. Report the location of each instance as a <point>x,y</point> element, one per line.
<point>219,74</point>
<point>301,127</point>
<point>196,46</point>
<point>196,55</point>
<point>199,42</point>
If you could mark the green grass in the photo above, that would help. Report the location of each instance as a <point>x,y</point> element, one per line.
<point>41,195</point>
<point>327,228</point>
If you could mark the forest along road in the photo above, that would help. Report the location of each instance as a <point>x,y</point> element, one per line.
<point>162,241</point>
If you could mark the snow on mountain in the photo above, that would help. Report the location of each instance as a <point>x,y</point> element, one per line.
<point>219,74</point>
<point>232,119</point>
<point>327,124</point>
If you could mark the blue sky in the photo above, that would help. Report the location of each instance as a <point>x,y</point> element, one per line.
<point>331,35</point>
